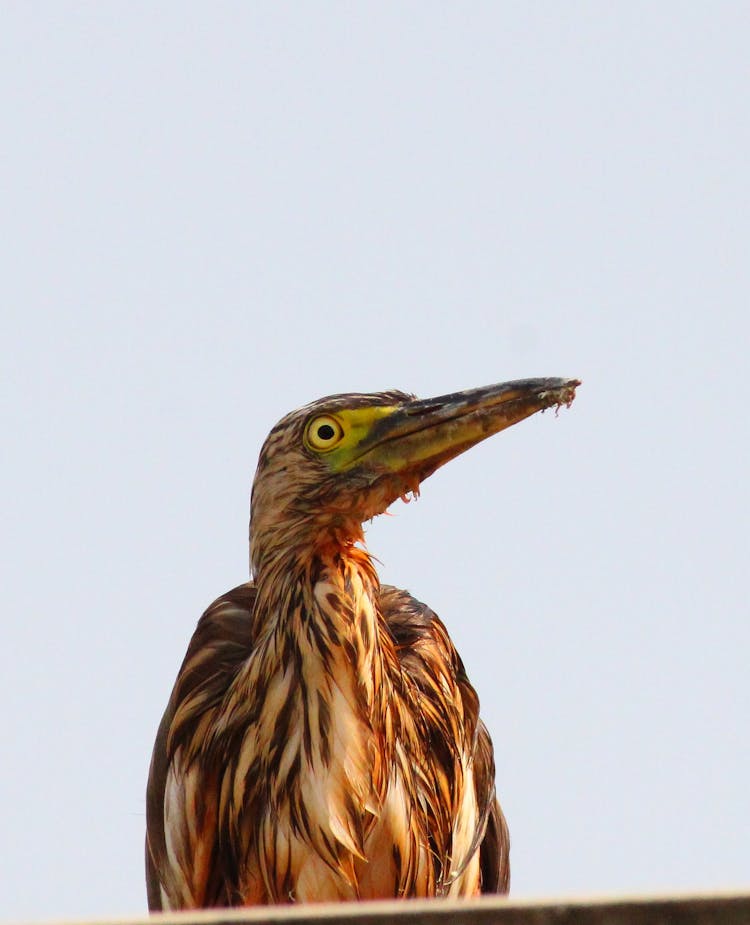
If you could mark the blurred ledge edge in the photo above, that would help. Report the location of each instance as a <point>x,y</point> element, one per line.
<point>699,909</point>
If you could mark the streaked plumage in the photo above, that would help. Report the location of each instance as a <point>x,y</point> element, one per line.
<point>322,741</point>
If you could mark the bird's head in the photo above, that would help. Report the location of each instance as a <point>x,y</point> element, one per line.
<point>328,467</point>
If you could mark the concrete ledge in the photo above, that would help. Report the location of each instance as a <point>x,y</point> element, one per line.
<point>709,909</point>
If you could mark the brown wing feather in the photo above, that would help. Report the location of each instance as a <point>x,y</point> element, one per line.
<point>494,852</point>
<point>428,655</point>
<point>156,848</point>
<point>221,643</point>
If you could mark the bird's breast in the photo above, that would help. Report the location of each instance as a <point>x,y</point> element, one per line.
<point>318,785</point>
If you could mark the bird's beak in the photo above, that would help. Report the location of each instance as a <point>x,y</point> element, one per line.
<point>422,435</point>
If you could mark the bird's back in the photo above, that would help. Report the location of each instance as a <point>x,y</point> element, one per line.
<point>202,783</point>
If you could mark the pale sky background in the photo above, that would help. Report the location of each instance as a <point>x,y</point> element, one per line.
<point>214,213</point>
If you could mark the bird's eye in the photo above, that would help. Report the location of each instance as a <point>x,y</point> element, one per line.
<point>324,432</point>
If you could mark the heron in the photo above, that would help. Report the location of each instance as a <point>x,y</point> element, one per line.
<point>322,741</point>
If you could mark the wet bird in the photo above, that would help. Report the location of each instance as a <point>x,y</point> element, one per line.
<point>322,740</point>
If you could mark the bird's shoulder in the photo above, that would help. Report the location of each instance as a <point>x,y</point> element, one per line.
<point>429,657</point>
<point>224,639</point>
<point>222,642</point>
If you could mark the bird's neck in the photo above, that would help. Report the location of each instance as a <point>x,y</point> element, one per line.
<point>333,585</point>
<point>322,613</point>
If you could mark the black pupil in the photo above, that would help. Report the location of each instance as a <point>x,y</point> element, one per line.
<point>325,432</point>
